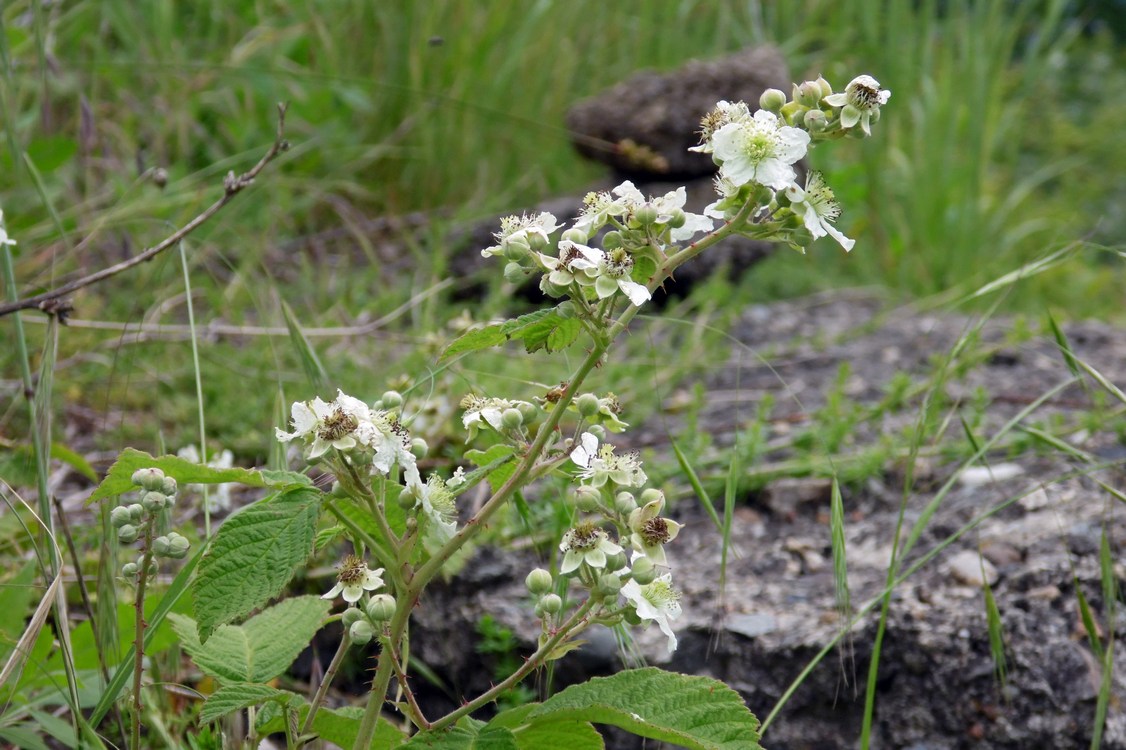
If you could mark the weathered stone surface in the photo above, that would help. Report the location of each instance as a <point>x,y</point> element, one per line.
<point>659,113</point>
<point>937,686</point>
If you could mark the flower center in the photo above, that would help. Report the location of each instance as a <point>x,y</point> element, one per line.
<point>337,425</point>
<point>655,531</point>
<point>352,570</point>
<point>660,594</point>
<point>619,264</point>
<point>586,536</point>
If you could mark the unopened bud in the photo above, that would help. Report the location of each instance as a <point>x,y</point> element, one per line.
<point>419,448</point>
<point>616,560</point>
<point>127,534</point>
<point>677,218</point>
<point>578,236</point>
<point>645,214</point>
<point>136,511</point>
<point>539,581</point>
<point>587,404</point>
<point>598,431</point>
<point>153,501</point>
<point>809,94</point>
<point>643,570</point>
<point>511,418</point>
<point>360,632</point>
<point>772,100</point>
<point>516,249</point>
<point>815,121</point>
<point>150,479</point>
<point>586,498</point>
<point>609,585</point>
<point>391,400</point>
<point>120,516</point>
<point>651,494</point>
<point>514,273</point>
<point>407,498</point>
<point>351,616</point>
<point>168,486</point>
<point>178,546</point>
<point>528,411</point>
<point>160,546</point>
<point>551,603</point>
<point>381,607</point>
<point>826,89</point>
<point>625,503</point>
<point>129,569</point>
<point>612,240</point>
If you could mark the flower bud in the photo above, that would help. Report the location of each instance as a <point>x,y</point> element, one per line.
<point>127,534</point>
<point>351,616</point>
<point>609,585</point>
<point>643,570</point>
<point>625,503</point>
<point>578,236</point>
<point>528,411</point>
<point>153,501</point>
<point>391,400</point>
<point>511,418</point>
<point>651,494</point>
<point>120,516</point>
<point>360,632</point>
<point>677,218</point>
<point>809,94</point>
<point>160,546</point>
<point>381,607</point>
<point>419,448</point>
<point>514,273</point>
<point>826,89</point>
<point>136,510</point>
<point>150,479</point>
<point>129,570</point>
<point>550,289</point>
<point>598,431</point>
<point>587,404</point>
<point>616,561</point>
<point>177,546</point>
<point>612,240</point>
<point>539,581</point>
<point>772,100</point>
<point>168,486</point>
<point>407,498</point>
<point>516,249</point>
<point>645,214</point>
<point>551,603</point>
<point>587,498</point>
<point>815,121</point>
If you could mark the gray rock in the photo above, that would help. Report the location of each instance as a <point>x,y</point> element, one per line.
<point>645,124</point>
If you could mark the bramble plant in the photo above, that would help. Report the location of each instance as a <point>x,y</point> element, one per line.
<point>405,528</point>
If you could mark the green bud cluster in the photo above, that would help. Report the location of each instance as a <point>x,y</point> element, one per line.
<point>157,492</point>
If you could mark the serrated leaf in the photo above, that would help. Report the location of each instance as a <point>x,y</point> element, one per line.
<point>464,738</point>
<point>261,648</point>
<point>471,341</point>
<point>698,713</point>
<point>235,697</point>
<point>547,734</point>
<point>253,556</point>
<point>552,332</point>
<point>119,480</point>
<point>496,464</point>
<point>340,727</point>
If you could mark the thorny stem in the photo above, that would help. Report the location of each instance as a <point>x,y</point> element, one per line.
<point>326,681</point>
<point>417,716</point>
<point>51,302</point>
<point>139,643</point>
<point>518,479</point>
<point>575,624</point>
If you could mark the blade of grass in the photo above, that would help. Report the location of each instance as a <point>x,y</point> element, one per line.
<point>995,629</point>
<point>198,374</point>
<point>840,559</point>
<point>697,486</point>
<point>315,372</point>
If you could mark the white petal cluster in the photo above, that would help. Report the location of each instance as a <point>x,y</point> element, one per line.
<point>526,232</point>
<point>860,101</point>
<point>761,149</point>
<point>818,208</point>
<point>600,464</point>
<point>354,579</point>
<point>482,411</point>
<point>586,543</point>
<point>657,602</point>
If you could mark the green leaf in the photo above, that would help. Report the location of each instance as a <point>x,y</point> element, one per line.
<point>119,480</point>
<point>552,333</point>
<point>546,734</point>
<point>495,463</point>
<point>465,738</point>
<point>698,713</point>
<point>74,460</point>
<point>471,341</point>
<point>261,648</point>
<point>16,594</point>
<point>231,698</point>
<point>536,324</point>
<point>51,152</point>
<point>315,372</point>
<point>254,555</point>
<point>339,727</point>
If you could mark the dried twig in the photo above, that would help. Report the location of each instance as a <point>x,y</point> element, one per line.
<point>53,302</point>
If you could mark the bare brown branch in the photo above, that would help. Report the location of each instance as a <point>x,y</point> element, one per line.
<point>53,302</point>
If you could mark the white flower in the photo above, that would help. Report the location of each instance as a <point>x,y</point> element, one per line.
<point>219,496</point>
<point>600,464</point>
<point>614,275</point>
<point>861,98</point>
<point>354,579</point>
<point>438,506</point>
<point>724,113</point>
<point>575,263</point>
<point>586,543</point>
<point>610,408</point>
<point>4,238</point>
<point>526,231</point>
<point>667,206</point>
<point>597,210</point>
<point>656,601</point>
<point>651,532</point>
<point>481,411</point>
<point>693,224</point>
<point>760,150</point>
<point>328,424</point>
<point>818,208</point>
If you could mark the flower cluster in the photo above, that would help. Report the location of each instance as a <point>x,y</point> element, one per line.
<point>359,433</point>
<point>355,579</point>
<point>135,521</point>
